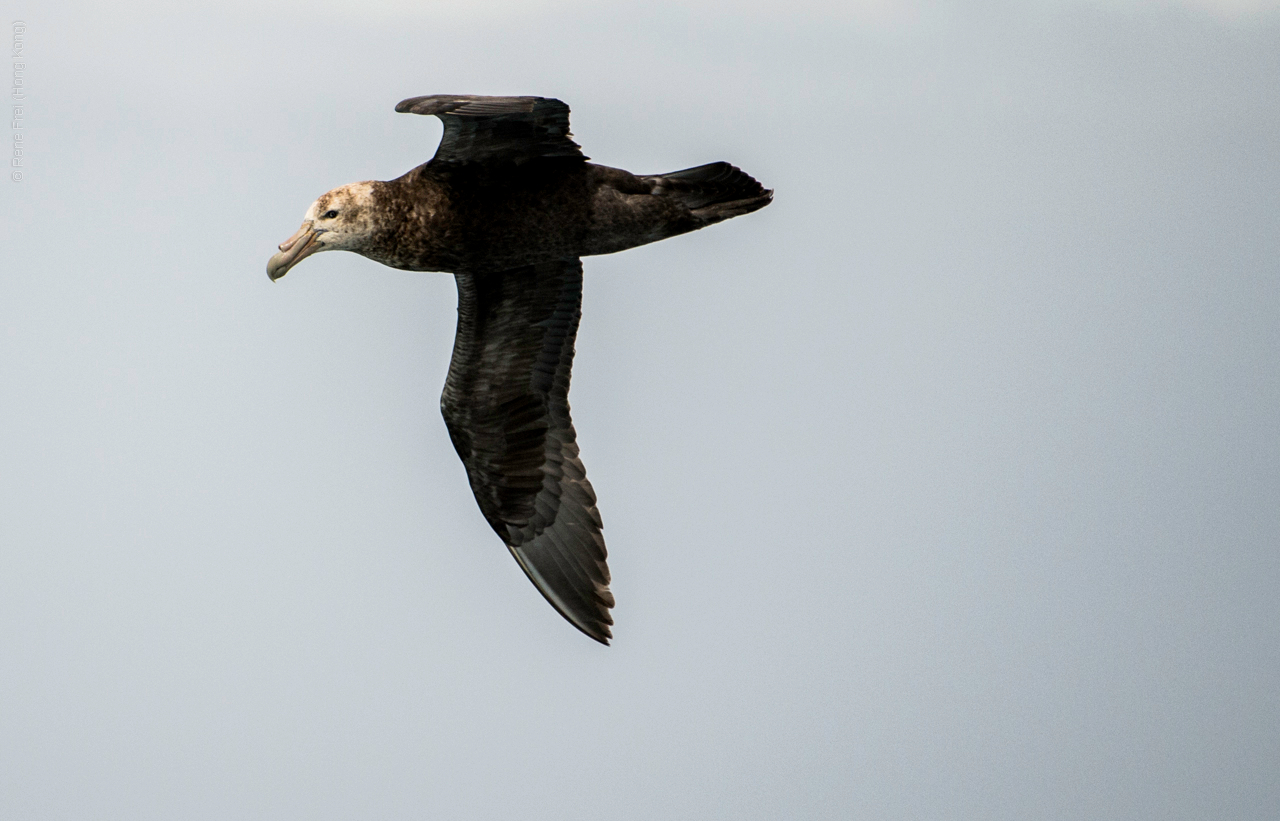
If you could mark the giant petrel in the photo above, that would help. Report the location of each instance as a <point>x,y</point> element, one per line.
<point>509,205</point>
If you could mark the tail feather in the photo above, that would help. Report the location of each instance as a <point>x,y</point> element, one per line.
<point>714,192</point>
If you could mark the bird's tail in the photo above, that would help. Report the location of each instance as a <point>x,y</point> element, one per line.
<point>713,192</point>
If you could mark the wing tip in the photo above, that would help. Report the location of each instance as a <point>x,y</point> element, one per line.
<point>595,625</point>
<point>603,636</point>
<point>408,105</point>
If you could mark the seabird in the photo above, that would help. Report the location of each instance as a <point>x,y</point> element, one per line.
<point>509,205</point>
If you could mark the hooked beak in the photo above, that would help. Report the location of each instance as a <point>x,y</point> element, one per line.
<point>293,250</point>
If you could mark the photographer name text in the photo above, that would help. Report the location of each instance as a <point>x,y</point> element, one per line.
<point>18,92</point>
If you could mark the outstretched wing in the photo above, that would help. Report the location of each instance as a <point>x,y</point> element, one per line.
<point>497,129</point>
<point>506,406</point>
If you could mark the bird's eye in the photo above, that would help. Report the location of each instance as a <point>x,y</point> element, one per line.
<point>330,215</point>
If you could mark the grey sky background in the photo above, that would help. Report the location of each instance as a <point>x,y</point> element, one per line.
<point>945,487</point>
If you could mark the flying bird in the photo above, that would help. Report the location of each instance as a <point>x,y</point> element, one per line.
<point>509,205</point>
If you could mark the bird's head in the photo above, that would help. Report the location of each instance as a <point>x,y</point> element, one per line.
<point>341,220</point>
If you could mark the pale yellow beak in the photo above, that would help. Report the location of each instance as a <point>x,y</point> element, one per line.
<point>292,251</point>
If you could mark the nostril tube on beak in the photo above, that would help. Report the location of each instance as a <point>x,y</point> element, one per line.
<point>292,250</point>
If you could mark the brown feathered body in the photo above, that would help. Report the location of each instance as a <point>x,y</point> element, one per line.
<point>456,219</point>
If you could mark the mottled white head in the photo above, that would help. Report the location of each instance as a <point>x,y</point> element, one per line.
<point>341,220</point>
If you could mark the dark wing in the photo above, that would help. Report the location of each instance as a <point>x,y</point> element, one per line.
<point>497,129</point>
<point>506,405</point>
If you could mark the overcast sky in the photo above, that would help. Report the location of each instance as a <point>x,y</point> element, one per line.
<point>943,488</point>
